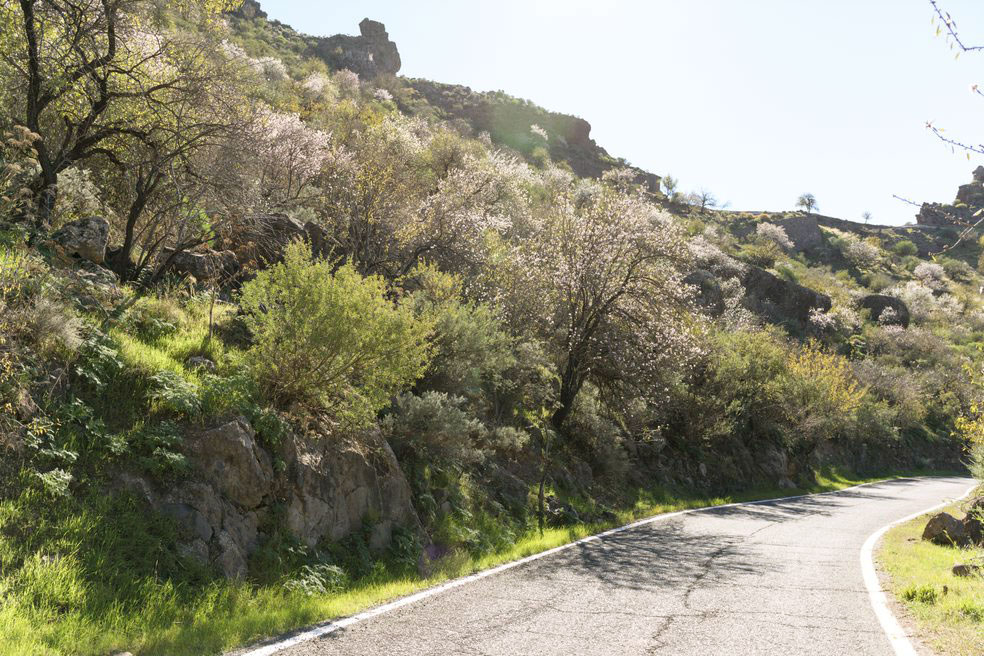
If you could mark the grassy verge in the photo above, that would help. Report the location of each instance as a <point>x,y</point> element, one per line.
<point>101,579</point>
<point>947,610</point>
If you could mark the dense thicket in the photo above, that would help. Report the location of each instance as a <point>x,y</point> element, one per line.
<point>502,322</point>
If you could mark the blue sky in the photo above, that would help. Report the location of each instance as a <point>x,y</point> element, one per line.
<point>757,101</point>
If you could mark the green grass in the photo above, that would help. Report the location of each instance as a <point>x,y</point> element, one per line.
<point>95,575</point>
<point>952,622</point>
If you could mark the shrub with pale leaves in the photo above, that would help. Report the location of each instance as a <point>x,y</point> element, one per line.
<point>861,254</point>
<point>932,275</point>
<point>347,82</point>
<point>918,298</point>
<point>774,233</point>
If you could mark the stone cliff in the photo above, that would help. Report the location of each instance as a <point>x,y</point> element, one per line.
<point>969,200</point>
<point>371,54</point>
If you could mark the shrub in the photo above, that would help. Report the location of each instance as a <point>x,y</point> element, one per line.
<point>977,461</point>
<point>877,282</point>
<point>861,254</point>
<point>330,340</point>
<point>918,298</point>
<point>819,394</point>
<point>775,234</point>
<point>957,269</point>
<point>905,247</point>
<point>434,427</point>
<point>472,350</point>
<point>320,579</point>
<point>931,275</point>
<point>762,254</point>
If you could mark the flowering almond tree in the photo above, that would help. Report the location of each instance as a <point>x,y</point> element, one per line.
<point>79,76</point>
<point>600,273</point>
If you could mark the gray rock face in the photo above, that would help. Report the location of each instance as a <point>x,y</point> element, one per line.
<point>333,487</point>
<point>779,299</point>
<point>945,529</point>
<point>970,198</point>
<point>709,294</point>
<point>329,486</point>
<point>230,459</point>
<point>802,230</point>
<point>878,303</point>
<point>85,238</point>
<point>261,238</point>
<point>370,55</point>
<point>203,265</point>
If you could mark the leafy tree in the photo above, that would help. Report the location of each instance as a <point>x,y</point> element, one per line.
<point>331,339</point>
<point>85,76</point>
<point>599,272</point>
<point>702,199</point>
<point>670,185</point>
<point>808,202</point>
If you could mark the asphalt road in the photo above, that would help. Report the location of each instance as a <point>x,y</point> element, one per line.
<point>781,577</point>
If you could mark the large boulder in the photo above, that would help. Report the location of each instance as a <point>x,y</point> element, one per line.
<point>202,265</point>
<point>709,295</point>
<point>970,198</point>
<point>780,300</point>
<point>84,238</point>
<point>946,530</point>
<point>260,239</point>
<point>879,303</point>
<point>973,523</point>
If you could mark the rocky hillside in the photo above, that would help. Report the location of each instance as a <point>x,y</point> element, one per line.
<point>330,332</point>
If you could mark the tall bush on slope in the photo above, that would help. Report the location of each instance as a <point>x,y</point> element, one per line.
<point>331,340</point>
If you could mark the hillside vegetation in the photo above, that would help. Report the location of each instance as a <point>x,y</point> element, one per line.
<point>280,338</point>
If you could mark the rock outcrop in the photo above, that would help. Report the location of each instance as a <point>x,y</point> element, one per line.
<point>261,238</point>
<point>898,314</point>
<point>326,489</point>
<point>371,54</point>
<point>780,300</point>
<point>508,122</point>
<point>84,238</point>
<point>946,530</point>
<point>970,199</point>
<point>202,265</point>
<point>803,230</point>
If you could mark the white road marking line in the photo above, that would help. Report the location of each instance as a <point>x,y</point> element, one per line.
<point>334,625</point>
<point>879,600</point>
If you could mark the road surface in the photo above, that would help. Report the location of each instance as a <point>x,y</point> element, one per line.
<point>780,577</point>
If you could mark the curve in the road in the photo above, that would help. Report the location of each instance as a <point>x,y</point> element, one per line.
<point>673,545</point>
<point>879,601</point>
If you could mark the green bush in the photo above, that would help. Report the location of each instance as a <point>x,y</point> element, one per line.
<point>957,269</point>
<point>904,248</point>
<point>472,350</point>
<point>434,428</point>
<point>977,461</point>
<point>331,340</point>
